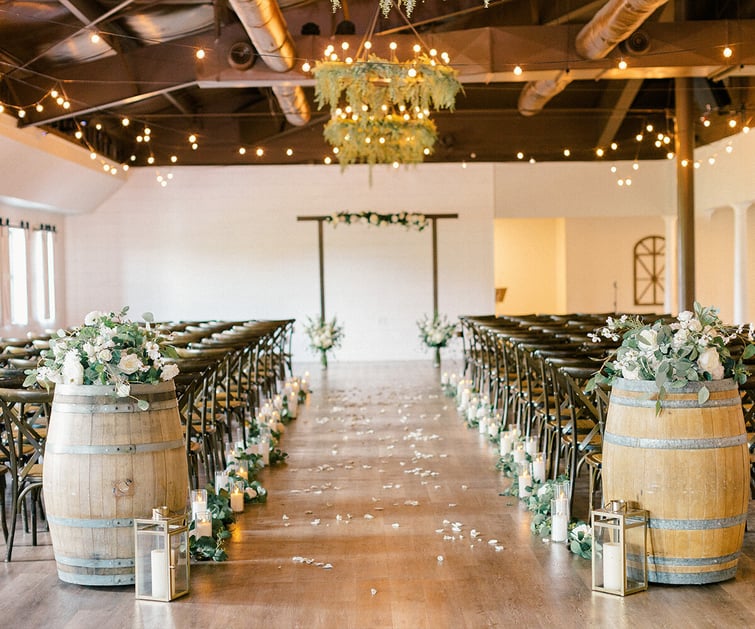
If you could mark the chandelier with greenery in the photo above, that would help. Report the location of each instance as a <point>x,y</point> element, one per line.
<point>380,108</point>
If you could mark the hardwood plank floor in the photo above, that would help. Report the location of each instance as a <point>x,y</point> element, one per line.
<point>380,470</point>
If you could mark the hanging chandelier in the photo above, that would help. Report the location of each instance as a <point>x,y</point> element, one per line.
<point>380,107</point>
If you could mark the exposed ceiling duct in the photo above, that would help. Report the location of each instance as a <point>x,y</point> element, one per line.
<point>266,27</point>
<point>616,21</point>
<point>612,24</point>
<point>536,94</point>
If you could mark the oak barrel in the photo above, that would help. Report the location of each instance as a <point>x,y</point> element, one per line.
<point>689,467</point>
<point>107,462</point>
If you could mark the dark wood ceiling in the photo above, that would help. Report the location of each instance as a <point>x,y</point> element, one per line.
<point>144,68</point>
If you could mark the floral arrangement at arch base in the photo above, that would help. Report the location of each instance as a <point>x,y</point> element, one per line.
<point>108,349</point>
<point>697,347</point>
<point>324,336</point>
<point>435,333</point>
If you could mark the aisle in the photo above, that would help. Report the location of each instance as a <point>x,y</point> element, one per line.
<point>387,515</point>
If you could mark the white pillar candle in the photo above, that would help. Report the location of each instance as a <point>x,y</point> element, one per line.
<point>482,425</point>
<point>444,378</point>
<point>465,395</point>
<point>196,507</point>
<point>538,469</point>
<point>265,451</point>
<point>237,501</point>
<point>532,445</point>
<point>613,578</point>
<point>525,485</point>
<point>559,527</point>
<point>507,442</point>
<point>305,383</point>
<point>492,427</point>
<point>203,526</point>
<point>519,453</point>
<point>160,569</point>
<point>293,405</point>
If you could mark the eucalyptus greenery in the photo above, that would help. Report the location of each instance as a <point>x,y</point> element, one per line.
<point>697,347</point>
<point>206,548</point>
<point>580,540</point>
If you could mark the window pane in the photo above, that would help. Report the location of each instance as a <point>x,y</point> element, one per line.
<point>19,306</point>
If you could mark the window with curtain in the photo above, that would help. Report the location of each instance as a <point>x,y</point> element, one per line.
<point>19,276</point>
<point>44,272</point>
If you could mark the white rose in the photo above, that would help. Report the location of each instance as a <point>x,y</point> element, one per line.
<point>631,372</point>
<point>129,363</point>
<point>92,317</point>
<point>169,372</point>
<point>153,350</point>
<point>710,361</point>
<point>104,356</point>
<point>680,338</point>
<point>647,340</point>
<point>73,371</point>
<point>251,492</point>
<point>685,316</point>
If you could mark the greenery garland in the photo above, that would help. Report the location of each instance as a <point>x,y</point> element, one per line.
<point>410,220</point>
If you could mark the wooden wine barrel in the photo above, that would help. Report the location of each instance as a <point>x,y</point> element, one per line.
<point>107,462</point>
<point>689,467</point>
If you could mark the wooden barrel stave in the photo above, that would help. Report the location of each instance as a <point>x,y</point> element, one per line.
<point>106,462</point>
<point>689,467</point>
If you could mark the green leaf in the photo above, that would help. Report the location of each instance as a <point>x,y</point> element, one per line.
<point>702,395</point>
<point>143,405</point>
<point>148,317</point>
<point>749,352</point>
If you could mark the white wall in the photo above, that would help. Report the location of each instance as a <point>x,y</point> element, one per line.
<point>225,243</point>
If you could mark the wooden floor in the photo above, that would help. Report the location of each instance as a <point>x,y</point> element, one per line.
<point>388,514</point>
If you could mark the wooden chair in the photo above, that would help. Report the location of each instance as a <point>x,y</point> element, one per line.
<point>25,415</point>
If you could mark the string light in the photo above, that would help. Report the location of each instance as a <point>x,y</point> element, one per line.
<point>727,52</point>
<point>200,54</point>
<point>518,70</point>
<point>622,64</point>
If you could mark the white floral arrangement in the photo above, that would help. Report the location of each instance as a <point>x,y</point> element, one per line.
<point>410,220</point>
<point>436,331</point>
<point>108,349</point>
<point>695,348</point>
<point>324,336</point>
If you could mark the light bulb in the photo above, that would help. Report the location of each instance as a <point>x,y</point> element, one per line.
<point>306,67</point>
<point>192,138</point>
<point>567,152</point>
<point>200,53</point>
<point>393,45</point>
<point>147,130</point>
<point>242,150</point>
<point>150,160</point>
<point>260,152</point>
<point>92,155</point>
<point>367,45</point>
<point>125,122</point>
<point>520,155</point>
<point>622,65</point>
<point>327,159</point>
<point>599,152</point>
<point>635,166</point>
<point>173,159</point>
<point>289,152</point>
<point>638,137</point>
<point>416,48</point>
<point>412,72</point>
<point>39,107</point>
<point>614,146</point>
<point>518,70</point>
<point>732,123</point>
<point>727,52</point>
<point>345,45</point>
